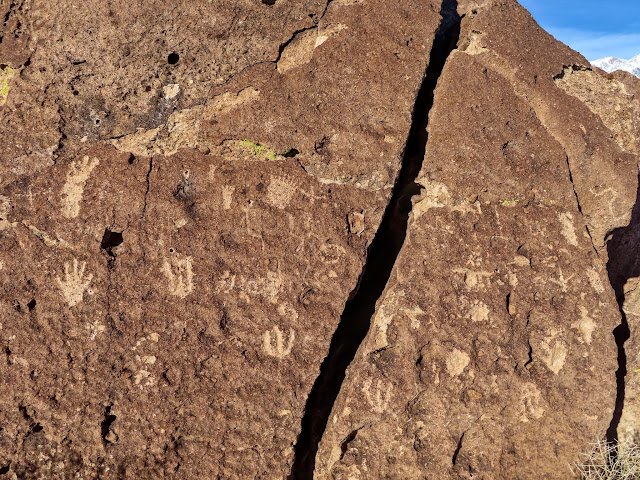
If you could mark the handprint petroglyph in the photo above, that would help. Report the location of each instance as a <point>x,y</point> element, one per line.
<point>179,273</point>
<point>74,284</point>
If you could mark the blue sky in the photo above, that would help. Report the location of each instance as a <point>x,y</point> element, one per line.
<point>595,28</point>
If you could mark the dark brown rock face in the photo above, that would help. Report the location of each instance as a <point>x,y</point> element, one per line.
<point>201,202</point>
<point>188,191</point>
<point>491,354</point>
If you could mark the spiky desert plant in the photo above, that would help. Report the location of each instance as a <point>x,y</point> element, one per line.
<point>609,461</point>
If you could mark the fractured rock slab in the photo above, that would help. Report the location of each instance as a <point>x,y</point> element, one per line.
<point>182,219</point>
<point>491,352</point>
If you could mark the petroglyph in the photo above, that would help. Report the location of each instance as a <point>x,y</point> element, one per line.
<point>5,208</point>
<point>475,44</point>
<point>456,362</point>
<point>356,222</point>
<point>433,195</point>
<point>280,191</point>
<point>380,398</point>
<point>285,309</point>
<point>437,195</point>
<point>74,187</point>
<point>561,281</point>
<point>279,350</point>
<point>472,278</point>
<point>478,312</point>
<point>553,353</point>
<point>413,314</point>
<point>382,319</point>
<point>585,325</point>
<point>532,403</point>
<point>227,196</point>
<point>179,273</point>
<point>568,229</point>
<point>74,284</point>
<point>607,98</point>
<point>595,281</point>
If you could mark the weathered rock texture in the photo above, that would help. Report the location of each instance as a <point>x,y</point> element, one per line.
<point>180,232</point>
<point>189,193</point>
<point>491,352</point>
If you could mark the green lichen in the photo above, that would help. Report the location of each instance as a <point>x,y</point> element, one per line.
<point>5,74</point>
<point>508,202</point>
<point>259,150</point>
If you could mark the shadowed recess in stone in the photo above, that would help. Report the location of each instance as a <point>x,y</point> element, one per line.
<point>359,309</point>
<point>110,240</point>
<point>622,266</point>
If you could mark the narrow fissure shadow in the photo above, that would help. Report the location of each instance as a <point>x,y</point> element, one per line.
<point>356,318</point>
<point>623,248</point>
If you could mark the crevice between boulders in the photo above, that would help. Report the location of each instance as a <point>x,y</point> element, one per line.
<point>623,264</point>
<point>383,251</point>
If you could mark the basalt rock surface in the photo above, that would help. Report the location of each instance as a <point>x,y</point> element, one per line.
<point>491,353</point>
<point>201,203</point>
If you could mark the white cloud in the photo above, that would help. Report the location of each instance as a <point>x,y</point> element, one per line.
<point>595,45</point>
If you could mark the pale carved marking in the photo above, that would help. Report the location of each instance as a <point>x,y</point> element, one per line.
<point>227,196</point>
<point>74,187</point>
<point>75,283</point>
<point>553,353</point>
<point>568,229</point>
<point>585,325</point>
<point>532,405</point>
<point>413,314</point>
<point>456,362</point>
<point>561,281</point>
<point>473,279</point>
<point>594,280</point>
<point>381,396</point>
<point>279,350</point>
<point>280,191</point>
<point>479,312</point>
<point>179,273</point>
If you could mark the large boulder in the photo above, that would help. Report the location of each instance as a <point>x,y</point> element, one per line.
<point>491,353</point>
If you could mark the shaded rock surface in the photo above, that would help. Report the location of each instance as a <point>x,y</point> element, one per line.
<point>191,194</point>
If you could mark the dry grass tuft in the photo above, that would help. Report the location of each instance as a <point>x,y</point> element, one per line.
<point>608,461</point>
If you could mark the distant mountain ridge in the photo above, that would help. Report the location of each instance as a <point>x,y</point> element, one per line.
<point>609,64</point>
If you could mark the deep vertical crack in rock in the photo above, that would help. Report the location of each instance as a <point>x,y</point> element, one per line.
<point>575,194</point>
<point>623,264</point>
<point>356,317</point>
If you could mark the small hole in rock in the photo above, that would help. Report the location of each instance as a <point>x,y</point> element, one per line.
<point>171,250</point>
<point>110,240</point>
<point>32,304</point>
<point>5,469</point>
<point>131,159</point>
<point>269,2</point>
<point>292,152</point>
<point>37,428</point>
<point>75,92</point>
<point>173,58</point>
